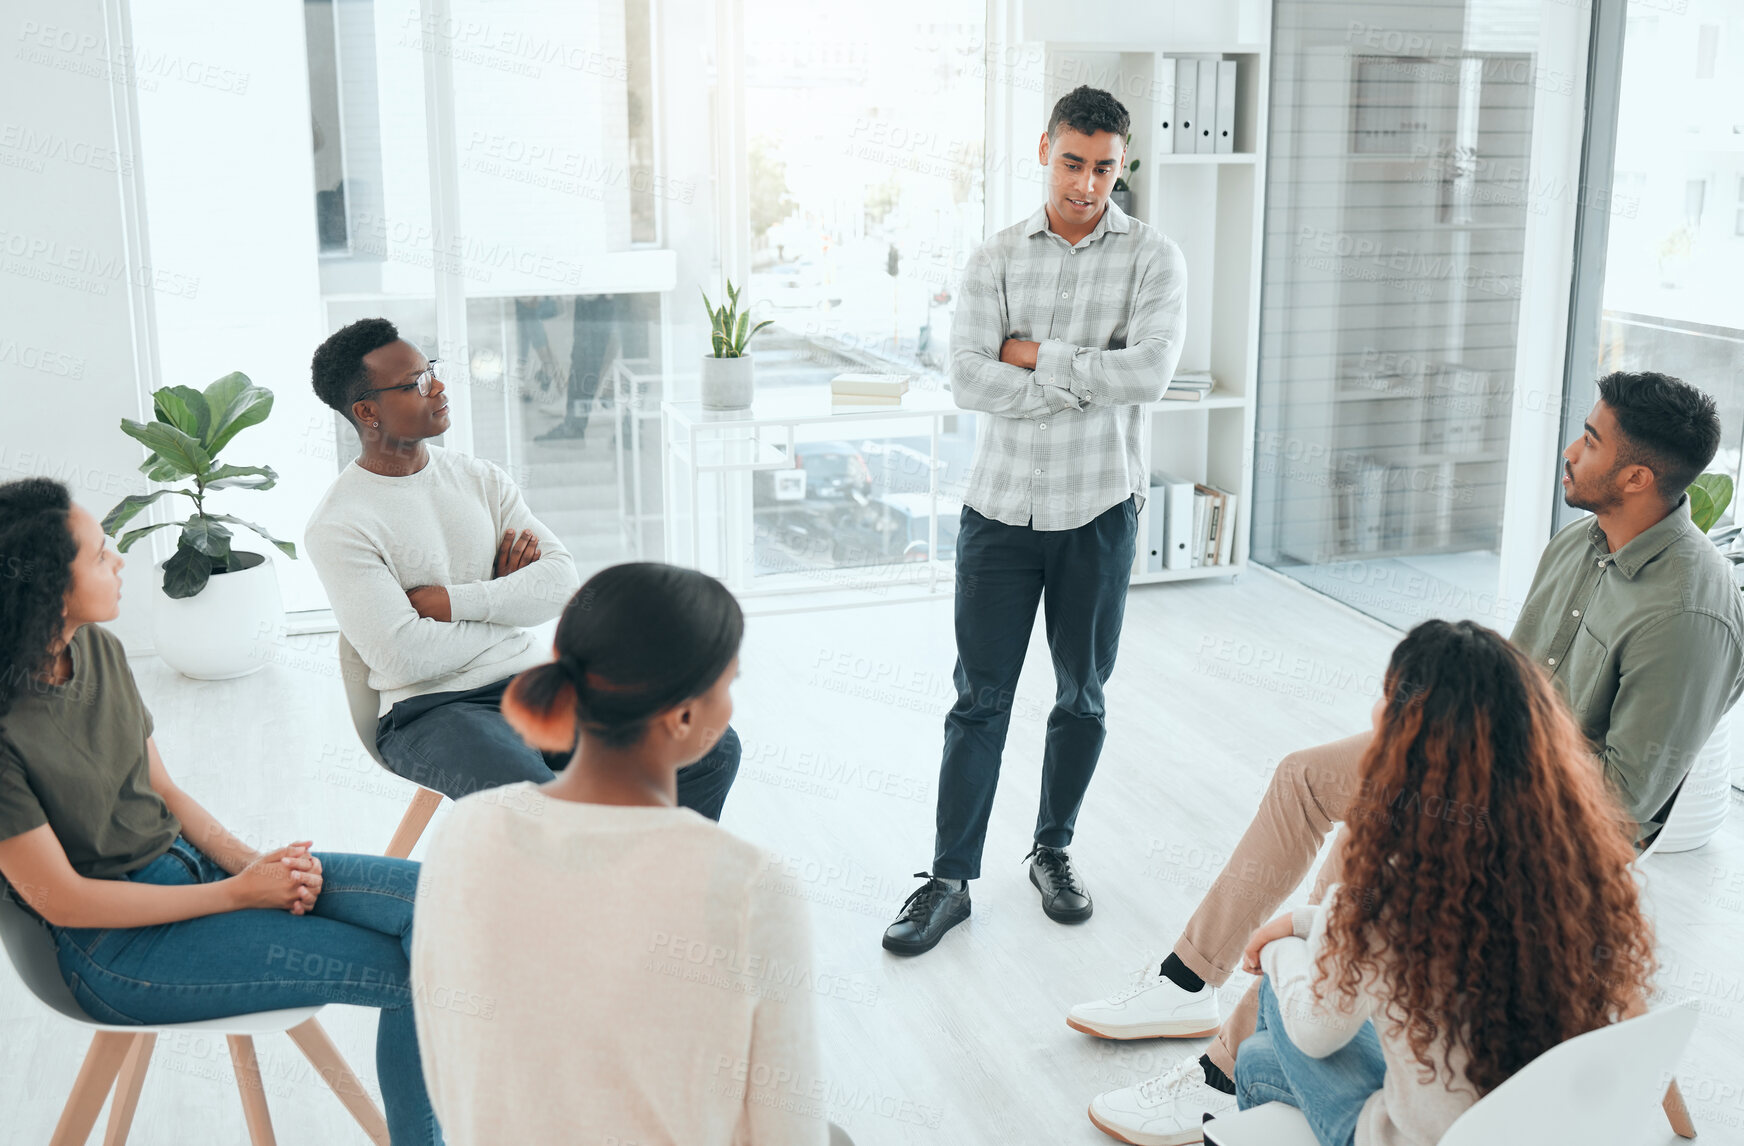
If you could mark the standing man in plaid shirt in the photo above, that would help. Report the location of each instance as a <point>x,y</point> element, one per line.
<point>1070,324</point>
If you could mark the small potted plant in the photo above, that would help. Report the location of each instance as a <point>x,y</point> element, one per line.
<point>1122,193</point>
<point>726,370</point>
<point>217,601</point>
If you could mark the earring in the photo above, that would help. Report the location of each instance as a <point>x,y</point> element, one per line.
<point>377,425</point>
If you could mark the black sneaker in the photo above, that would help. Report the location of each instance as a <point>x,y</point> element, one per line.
<point>1063,896</point>
<point>930,912</point>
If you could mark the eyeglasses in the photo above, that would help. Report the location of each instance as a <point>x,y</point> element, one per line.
<point>421,383</point>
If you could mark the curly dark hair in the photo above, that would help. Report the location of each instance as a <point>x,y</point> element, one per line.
<point>37,549</point>
<point>337,367</point>
<point>1671,427</point>
<point>1486,868</point>
<point>1089,110</point>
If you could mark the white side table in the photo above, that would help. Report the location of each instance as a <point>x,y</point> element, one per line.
<point>712,455</point>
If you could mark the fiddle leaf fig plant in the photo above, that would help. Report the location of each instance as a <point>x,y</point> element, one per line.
<point>188,430</point>
<point>1709,495</point>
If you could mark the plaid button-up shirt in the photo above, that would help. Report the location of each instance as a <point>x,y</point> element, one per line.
<point>1060,444</point>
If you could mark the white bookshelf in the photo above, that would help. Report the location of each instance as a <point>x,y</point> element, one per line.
<point>1211,205</point>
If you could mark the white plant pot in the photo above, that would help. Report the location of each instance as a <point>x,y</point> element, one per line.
<point>726,382</point>
<point>220,632</point>
<point>1706,797</point>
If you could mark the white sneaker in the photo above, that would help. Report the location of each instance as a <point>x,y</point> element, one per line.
<point>1168,1110</point>
<point>1153,1008</point>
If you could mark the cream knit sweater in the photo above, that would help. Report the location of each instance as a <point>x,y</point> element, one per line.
<point>593,973</point>
<point>372,538</point>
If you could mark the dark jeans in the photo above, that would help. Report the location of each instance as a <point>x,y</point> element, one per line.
<point>458,743</point>
<point>1330,1092</point>
<point>1003,571</point>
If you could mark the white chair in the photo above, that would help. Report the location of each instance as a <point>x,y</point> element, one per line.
<point>1596,1087</point>
<point>365,705</point>
<point>119,1056</point>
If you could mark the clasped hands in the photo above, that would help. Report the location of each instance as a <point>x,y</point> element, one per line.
<point>286,880</point>
<point>513,554</point>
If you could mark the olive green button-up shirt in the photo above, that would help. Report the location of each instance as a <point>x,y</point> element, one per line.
<point>1647,646</point>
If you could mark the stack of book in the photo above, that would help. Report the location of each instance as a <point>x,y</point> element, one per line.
<point>852,391</point>
<point>1189,386</point>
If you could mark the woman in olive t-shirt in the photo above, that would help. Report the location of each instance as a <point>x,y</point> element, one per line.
<point>159,914</point>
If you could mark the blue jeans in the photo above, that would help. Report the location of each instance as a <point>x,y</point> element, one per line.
<point>1003,573</point>
<point>354,947</point>
<point>1329,1091</point>
<point>458,743</point>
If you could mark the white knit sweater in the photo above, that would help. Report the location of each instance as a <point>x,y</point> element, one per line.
<point>372,538</point>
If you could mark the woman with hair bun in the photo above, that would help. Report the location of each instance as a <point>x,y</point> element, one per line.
<point>590,957</point>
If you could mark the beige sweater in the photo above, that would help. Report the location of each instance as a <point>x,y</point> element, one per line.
<point>1405,1111</point>
<point>591,973</point>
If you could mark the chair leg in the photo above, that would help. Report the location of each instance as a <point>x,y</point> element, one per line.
<point>311,1038</point>
<point>412,824</point>
<point>1678,1113</point>
<point>248,1082</point>
<point>96,1076</point>
<point>127,1088</point>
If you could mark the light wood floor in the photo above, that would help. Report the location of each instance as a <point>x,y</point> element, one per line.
<point>840,714</point>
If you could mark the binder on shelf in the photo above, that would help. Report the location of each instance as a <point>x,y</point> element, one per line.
<point>1174,506</point>
<point>1166,100</point>
<point>1204,142</point>
<point>1156,524</point>
<point>1201,523</point>
<point>1226,539</point>
<point>1209,533</point>
<point>1186,105</point>
<point>1224,122</point>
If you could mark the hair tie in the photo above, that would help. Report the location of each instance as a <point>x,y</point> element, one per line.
<point>574,670</point>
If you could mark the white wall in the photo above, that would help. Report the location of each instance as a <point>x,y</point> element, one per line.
<point>69,308</point>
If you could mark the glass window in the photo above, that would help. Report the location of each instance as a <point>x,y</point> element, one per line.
<point>866,129</point>
<point>1396,212</point>
<point>1668,302</point>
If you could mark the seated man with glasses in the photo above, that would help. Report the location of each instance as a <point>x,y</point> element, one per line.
<point>435,568</point>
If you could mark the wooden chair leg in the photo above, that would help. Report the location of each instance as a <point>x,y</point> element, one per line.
<point>413,823</point>
<point>96,1076</point>
<point>127,1088</point>
<point>311,1038</point>
<point>260,1131</point>
<point>1678,1113</point>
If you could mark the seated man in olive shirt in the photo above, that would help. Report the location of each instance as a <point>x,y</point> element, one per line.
<point>1637,619</point>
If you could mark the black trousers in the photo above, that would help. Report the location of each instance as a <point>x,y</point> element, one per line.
<point>1003,572</point>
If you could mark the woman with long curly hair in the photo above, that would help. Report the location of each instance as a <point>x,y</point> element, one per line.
<point>1486,913</point>
<point>158,913</point>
